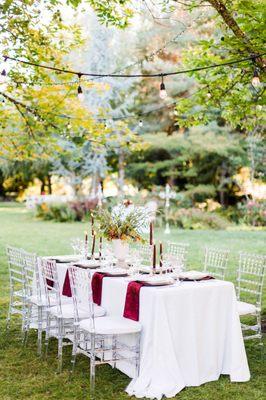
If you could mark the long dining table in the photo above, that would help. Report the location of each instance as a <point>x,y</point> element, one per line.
<point>191,334</point>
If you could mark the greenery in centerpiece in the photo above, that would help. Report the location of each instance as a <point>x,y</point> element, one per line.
<point>126,223</point>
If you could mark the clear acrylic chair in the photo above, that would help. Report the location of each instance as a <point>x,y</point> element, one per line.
<point>100,338</point>
<point>60,310</point>
<point>17,302</point>
<point>59,320</point>
<point>250,277</point>
<point>80,280</point>
<point>179,251</point>
<point>146,253</point>
<point>215,262</point>
<point>37,303</point>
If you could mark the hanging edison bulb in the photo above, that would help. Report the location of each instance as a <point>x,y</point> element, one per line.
<point>256,79</point>
<point>80,94</point>
<point>3,75</point>
<point>163,92</point>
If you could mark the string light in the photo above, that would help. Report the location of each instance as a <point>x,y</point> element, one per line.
<point>256,79</point>
<point>80,92</point>
<point>140,123</point>
<point>3,77</point>
<point>163,92</point>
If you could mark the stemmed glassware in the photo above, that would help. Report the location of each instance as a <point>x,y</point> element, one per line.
<point>108,258</point>
<point>134,260</point>
<point>78,245</point>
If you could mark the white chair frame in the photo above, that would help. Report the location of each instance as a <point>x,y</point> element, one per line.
<point>215,262</point>
<point>17,301</point>
<point>250,278</point>
<point>99,348</point>
<point>62,327</point>
<point>179,251</point>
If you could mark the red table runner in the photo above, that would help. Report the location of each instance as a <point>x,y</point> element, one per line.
<point>131,309</point>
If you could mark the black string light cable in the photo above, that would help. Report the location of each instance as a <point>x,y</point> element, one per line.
<point>149,57</point>
<point>151,75</point>
<point>162,75</point>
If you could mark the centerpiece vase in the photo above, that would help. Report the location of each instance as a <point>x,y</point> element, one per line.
<point>121,249</point>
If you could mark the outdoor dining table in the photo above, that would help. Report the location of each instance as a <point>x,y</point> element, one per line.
<point>191,334</point>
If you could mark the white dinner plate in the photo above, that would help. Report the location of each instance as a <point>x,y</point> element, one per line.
<point>88,264</point>
<point>64,259</point>
<point>193,275</point>
<point>156,280</point>
<point>114,271</point>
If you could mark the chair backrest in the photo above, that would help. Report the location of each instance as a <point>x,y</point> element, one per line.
<point>250,277</point>
<point>51,283</point>
<point>215,262</point>
<point>16,266</point>
<point>32,275</point>
<point>145,252</point>
<point>80,282</point>
<point>179,251</point>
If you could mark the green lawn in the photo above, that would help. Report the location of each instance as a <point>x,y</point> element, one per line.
<point>25,376</point>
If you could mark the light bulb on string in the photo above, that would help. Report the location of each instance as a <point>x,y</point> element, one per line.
<point>80,91</point>
<point>256,79</point>
<point>69,126</point>
<point>163,92</point>
<point>3,76</point>
<point>140,123</point>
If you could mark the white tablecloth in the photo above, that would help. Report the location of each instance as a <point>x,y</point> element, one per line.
<point>191,334</point>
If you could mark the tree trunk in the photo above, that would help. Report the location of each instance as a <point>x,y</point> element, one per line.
<point>121,174</point>
<point>42,187</point>
<point>235,28</point>
<point>49,184</point>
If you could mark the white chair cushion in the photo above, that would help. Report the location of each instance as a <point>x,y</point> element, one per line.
<point>245,308</point>
<point>68,311</point>
<point>111,326</point>
<point>42,301</point>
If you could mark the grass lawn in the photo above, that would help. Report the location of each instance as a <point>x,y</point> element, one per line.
<point>25,376</point>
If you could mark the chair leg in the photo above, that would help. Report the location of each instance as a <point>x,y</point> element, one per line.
<point>92,366</point>
<point>40,328</point>
<point>60,345</point>
<point>137,355</point>
<point>74,349</point>
<point>114,344</point>
<point>24,322</point>
<point>47,333</point>
<point>27,326</point>
<point>8,318</point>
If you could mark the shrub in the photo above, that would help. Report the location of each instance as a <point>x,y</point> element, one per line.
<point>64,212</point>
<point>252,213</point>
<point>82,208</point>
<point>194,218</point>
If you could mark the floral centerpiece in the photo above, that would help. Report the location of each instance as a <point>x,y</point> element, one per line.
<point>121,225</point>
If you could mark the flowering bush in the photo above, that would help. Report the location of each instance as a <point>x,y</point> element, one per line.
<point>125,223</point>
<point>252,213</point>
<point>194,218</point>
<point>64,212</point>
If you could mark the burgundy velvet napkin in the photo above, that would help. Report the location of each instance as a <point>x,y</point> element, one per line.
<point>96,286</point>
<point>67,288</point>
<point>131,309</point>
<point>49,283</point>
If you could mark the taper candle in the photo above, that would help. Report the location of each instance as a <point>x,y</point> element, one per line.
<point>93,245</point>
<point>151,233</point>
<point>161,254</point>
<point>100,247</point>
<point>92,224</point>
<point>154,256</point>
